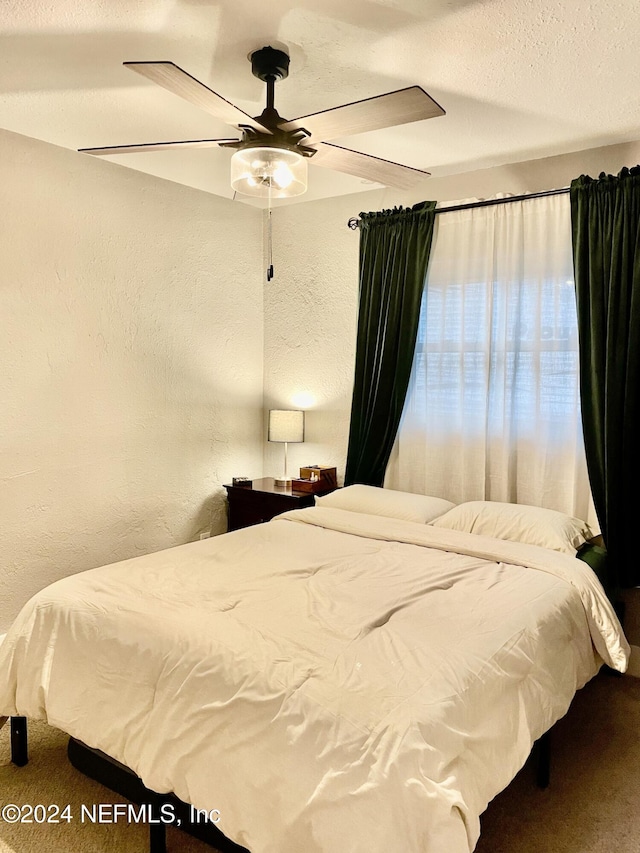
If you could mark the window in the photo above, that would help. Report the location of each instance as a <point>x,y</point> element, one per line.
<point>493,409</point>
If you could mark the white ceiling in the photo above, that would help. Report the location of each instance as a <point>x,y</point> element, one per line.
<point>518,79</point>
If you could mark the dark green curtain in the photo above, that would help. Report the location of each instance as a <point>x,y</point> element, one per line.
<point>605,216</point>
<point>394,252</point>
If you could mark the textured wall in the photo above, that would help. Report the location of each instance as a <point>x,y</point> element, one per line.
<point>130,362</point>
<point>311,305</point>
<point>310,328</point>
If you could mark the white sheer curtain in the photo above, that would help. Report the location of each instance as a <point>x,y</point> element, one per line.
<point>493,408</point>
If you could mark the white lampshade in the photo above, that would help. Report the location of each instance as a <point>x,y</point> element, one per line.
<point>286,425</point>
<point>268,172</point>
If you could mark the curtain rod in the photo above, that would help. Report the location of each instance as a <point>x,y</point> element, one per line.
<point>354,223</point>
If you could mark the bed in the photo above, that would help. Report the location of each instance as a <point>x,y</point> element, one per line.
<point>363,675</point>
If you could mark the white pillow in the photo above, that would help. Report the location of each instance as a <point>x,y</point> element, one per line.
<point>393,504</point>
<point>532,525</point>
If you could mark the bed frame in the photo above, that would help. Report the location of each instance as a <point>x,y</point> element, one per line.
<point>19,751</point>
<point>119,778</point>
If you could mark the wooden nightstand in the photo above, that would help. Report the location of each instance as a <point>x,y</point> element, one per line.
<point>260,502</point>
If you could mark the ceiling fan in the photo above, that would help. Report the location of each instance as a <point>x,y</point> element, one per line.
<point>271,156</point>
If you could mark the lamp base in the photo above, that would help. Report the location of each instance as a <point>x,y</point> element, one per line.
<point>282,482</point>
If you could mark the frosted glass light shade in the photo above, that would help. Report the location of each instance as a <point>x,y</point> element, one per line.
<point>286,425</point>
<point>268,172</point>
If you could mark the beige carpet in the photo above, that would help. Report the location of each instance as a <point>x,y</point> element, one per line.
<point>592,805</point>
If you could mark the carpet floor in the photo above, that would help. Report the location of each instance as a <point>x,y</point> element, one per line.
<point>591,805</point>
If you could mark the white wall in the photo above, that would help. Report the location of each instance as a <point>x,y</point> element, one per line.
<point>311,305</point>
<point>131,364</point>
<point>310,327</point>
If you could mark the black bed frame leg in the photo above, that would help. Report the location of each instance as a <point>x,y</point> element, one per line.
<point>157,838</point>
<point>543,761</point>
<point>157,830</point>
<point>19,746</point>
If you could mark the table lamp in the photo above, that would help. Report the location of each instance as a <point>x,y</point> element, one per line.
<point>286,426</point>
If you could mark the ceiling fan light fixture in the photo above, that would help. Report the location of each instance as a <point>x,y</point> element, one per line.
<point>268,172</point>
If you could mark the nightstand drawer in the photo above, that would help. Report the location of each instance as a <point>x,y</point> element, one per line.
<point>247,507</point>
<point>261,502</point>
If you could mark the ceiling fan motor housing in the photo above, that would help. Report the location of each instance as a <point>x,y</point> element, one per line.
<point>268,63</point>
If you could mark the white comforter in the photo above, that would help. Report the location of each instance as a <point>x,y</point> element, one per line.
<point>329,681</point>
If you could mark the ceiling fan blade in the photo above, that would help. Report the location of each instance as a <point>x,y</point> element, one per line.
<point>367,167</point>
<point>401,107</point>
<point>153,146</point>
<point>181,83</point>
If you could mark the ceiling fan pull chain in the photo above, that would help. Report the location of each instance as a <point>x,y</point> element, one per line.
<point>269,241</point>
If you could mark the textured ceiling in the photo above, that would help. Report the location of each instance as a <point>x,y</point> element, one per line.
<point>518,79</point>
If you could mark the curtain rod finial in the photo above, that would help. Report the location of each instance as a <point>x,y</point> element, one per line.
<point>353,223</point>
